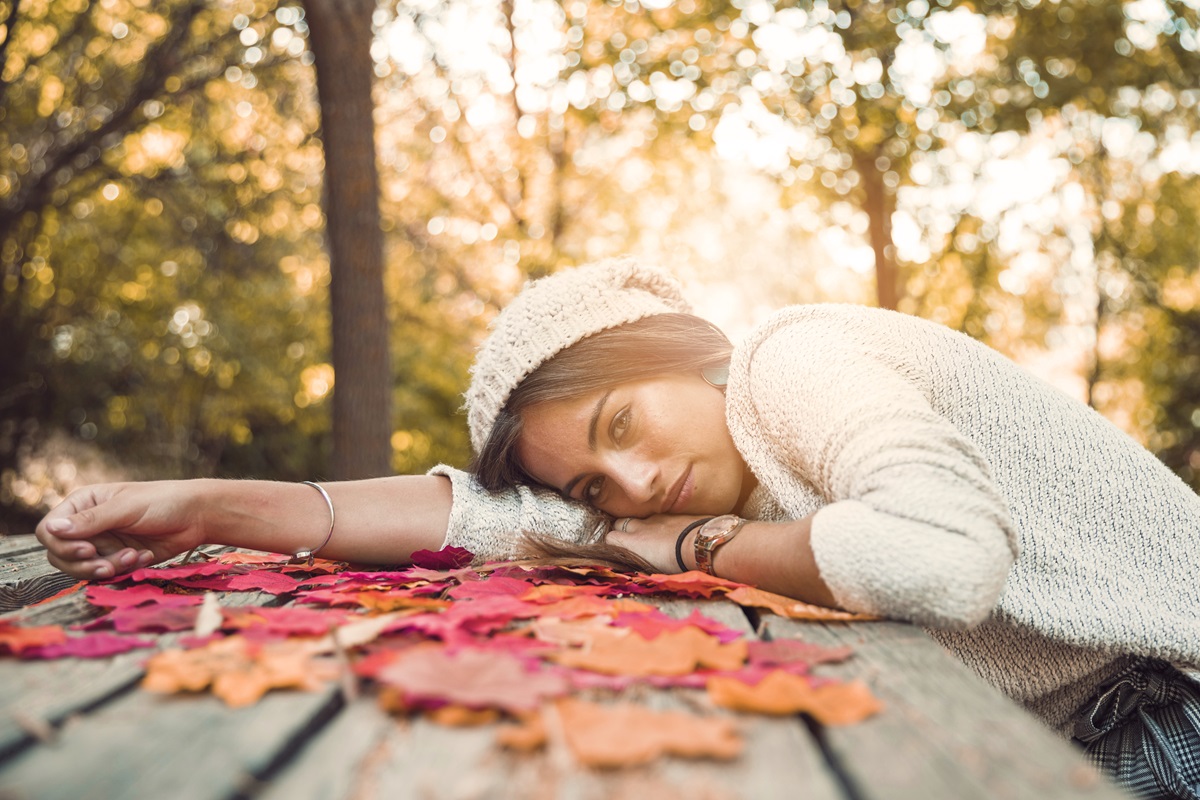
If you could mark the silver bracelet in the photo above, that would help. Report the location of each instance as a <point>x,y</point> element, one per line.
<point>308,555</point>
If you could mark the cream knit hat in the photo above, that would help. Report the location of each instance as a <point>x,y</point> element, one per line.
<point>553,313</point>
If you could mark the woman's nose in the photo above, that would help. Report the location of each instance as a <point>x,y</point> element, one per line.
<point>638,478</point>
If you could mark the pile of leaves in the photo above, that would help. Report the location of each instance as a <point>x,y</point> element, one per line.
<point>466,645</point>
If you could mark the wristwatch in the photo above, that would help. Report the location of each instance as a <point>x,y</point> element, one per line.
<point>713,534</point>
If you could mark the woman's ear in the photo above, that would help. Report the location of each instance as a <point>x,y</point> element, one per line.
<point>716,376</point>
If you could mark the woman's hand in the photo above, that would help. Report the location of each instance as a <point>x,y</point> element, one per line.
<point>653,538</point>
<point>107,529</point>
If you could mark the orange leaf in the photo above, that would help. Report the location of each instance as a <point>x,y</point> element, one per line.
<point>383,601</point>
<point>526,735</point>
<point>671,653</point>
<point>584,631</point>
<point>627,734</point>
<point>782,693</point>
<point>588,606</point>
<point>692,582</point>
<point>14,639</point>
<point>793,609</point>
<point>237,672</point>
<point>462,717</point>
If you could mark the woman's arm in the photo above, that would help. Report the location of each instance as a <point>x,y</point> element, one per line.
<point>103,530</point>
<point>776,556</point>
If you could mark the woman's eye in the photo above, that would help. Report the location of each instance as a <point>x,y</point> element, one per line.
<point>592,491</point>
<point>620,424</point>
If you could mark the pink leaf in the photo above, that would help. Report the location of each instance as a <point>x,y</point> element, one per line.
<point>117,597</point>
<point>446,558</point>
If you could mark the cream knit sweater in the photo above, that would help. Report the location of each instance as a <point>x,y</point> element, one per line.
<point>1031,537</point>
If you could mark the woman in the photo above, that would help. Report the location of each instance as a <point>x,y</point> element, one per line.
<point>841,455</point>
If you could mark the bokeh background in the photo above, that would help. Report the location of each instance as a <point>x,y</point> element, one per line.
<point>1023,171</point>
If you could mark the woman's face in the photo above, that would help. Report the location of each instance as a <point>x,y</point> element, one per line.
<point>653,446</point>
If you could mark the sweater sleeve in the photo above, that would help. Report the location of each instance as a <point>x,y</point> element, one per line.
<point>490,524</point>
<point>914,528</point>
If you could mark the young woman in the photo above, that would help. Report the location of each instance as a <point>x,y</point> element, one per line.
<point>841,455</point>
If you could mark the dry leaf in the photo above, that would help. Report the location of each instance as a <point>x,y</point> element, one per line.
<point>670,653</point>
<point>793,609</point>
<point>238,672</point>
<point>782,693</point>
<point>627,734</point>
<point>471,678</point>
<point>14,639</point>
<point>526,735</point>
<point>460,717</point>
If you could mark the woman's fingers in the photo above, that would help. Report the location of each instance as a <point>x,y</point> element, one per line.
<point>90,511</point>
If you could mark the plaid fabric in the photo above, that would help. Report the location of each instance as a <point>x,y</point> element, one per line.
<point>1143,730</point>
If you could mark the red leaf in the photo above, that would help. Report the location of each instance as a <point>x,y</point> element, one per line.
<point>95,645</point>
<point>492,587</point>
<point>118,597</point>
<point>446,558</point>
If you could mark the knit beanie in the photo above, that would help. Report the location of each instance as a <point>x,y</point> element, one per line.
<point>553,313</point>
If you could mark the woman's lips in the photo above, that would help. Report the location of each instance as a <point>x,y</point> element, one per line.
<point>684,495</point>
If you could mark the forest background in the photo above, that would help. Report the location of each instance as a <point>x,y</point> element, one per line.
<point>1023,171</point>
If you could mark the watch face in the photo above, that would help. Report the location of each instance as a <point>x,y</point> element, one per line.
<point>718,527</point>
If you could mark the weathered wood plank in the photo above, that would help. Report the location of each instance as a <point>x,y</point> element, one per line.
<point>945,732</point>
<point>25,575</point>
<point>149,746</point>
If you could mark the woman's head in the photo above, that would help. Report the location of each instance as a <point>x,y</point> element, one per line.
<point>623,420</point>
<point>619,414</point>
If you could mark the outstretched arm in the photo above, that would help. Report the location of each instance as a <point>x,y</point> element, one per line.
<point>103,530</point>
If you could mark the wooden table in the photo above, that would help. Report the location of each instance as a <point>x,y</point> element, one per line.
<point>77,729</point>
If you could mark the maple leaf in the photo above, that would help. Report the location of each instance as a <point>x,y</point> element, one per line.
<point>492,587</point>
<point>793,609</point>
<point>470,678</point>
<point>147,619</point>
<point>526,735</point>
<point>16,639</point>
<point>446,558</point>
<point>238,672</point>
<point>782,693</point>
<point>555,592</point>
<point>265,622</point>
<point>195,570</point>
<point>649,624</point>
<point>95,645</point>
<point>690,584</point>
<point>785,651</point>
<point>587,606</point>
<point>125,597</point>
<point>671,653</point>
<point>626,734</point>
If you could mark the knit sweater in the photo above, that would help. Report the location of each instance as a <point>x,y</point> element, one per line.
<point>949,488</point>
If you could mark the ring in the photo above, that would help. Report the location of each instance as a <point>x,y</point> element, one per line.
<point>624,526</point>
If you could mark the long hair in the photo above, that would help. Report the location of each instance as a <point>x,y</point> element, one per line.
<point>650,347</point>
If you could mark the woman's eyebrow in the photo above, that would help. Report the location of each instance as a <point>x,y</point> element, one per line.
<point>592,423</point>
<point>596,412</point>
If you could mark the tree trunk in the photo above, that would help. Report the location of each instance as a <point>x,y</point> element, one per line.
<point>340,36</point>
<point>878,203</point>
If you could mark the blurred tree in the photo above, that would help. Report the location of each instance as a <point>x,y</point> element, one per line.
<point>161,281</point>
<point>341,34</point>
